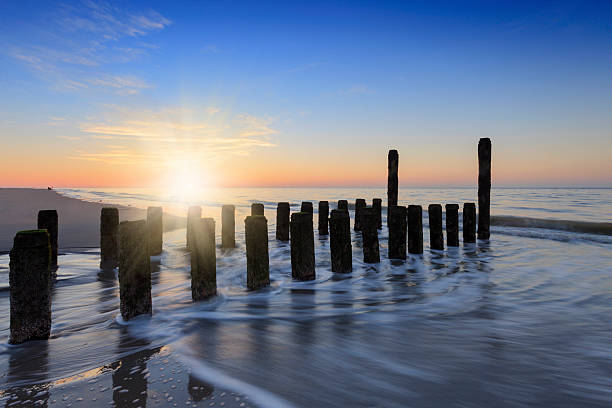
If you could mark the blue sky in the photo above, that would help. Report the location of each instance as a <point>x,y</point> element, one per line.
<point>108,86</point>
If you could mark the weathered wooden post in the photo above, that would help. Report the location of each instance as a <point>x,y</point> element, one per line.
<point>484,188</point>
<point>282,222</point>
<point>392,181</point>
<point>134,269</point>
<point>204,260</point>
<point>302,246</point>
<point>436,236</point>
<point>377,206</point>
<point>109,238</point>
<point>323,217</point>
<point>193,218</point>
<point>228,226</point>
<point>415,229</point>
<point>30,286</point>
<point>156,229</point>
<point>307,207</point>
<point>397,221</point>
<point>469,222</point>
<point>257,209</point>
<point>258,263</point>
<point>340,241</point>
<point>369,236</point>
<point>343,205</point>
<point>452,225</point>
<point>47,219</point>
<point>360,204</point>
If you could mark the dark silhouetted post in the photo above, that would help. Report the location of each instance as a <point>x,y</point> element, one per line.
<point>452,225</point>
<point>257,209</point>
<point>228,226</point>
<point>377,206</point>
<point>369,236</point>
<point>469,222</point>
<point>343,205</point>
<point>282,222</point>
<point>392,182</point>
<point>30,286</point>
<point>258,263</point>
<point>360,204</point>
<point>340,241</point>
<point>307,207</point>
<point>156,229</point>
<point>134,269</point>
<point>203,260</point>
<point>397,221</point>
<point>323,217</point>
<point>302,247</point>
<point>484,188</point>
<point>415,229</point>
<point>47,219</point>
<point>193,218</point>
<point>436,236</point>
<point>109,238</point>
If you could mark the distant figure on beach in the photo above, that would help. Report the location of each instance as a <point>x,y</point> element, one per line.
<point>49,188</point>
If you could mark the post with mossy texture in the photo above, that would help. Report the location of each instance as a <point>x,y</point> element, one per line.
<point>340,241</point>
<point>193,218</point>
<point>452,225</point>
<point>323,217</point>
<point>228,226</point>
<point>47,219</point>
<point>469,222</point>
<point>203,260</point>
<point>282,221</point>
<point>134,269</point>
<point>343,205</point>
<point>109,238</point>
<point>377,206</point>
<point>392,180</point>
<point>436,236</point>
<point>369,236</point>
<point>360,204</point>
<point>30,286</point>
<point>156,229</point>
<point>257,209</point>
<point>307,207</point>
<point>397,221</point>
<point>258,262</point>
<point>415,229</point>
<point>302,246</point>
<point>484,188</point>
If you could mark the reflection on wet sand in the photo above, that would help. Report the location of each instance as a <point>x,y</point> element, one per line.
<point>28,364</point>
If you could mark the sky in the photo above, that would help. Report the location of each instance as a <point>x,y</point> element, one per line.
<point>152,93</point>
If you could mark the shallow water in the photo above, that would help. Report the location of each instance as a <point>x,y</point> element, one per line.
<point>521,320</point>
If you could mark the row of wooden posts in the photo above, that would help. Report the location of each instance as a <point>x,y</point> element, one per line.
<point>130,244</point>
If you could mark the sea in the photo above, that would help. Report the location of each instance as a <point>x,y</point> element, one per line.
<point>520,320</point>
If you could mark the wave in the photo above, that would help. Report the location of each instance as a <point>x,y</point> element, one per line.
<point>584,227</point>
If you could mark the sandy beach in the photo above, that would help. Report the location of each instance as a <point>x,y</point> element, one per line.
<point>79,221</point>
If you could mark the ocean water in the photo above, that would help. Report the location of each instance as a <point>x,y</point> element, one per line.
<point>520,320</point>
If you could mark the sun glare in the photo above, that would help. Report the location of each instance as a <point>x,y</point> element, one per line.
<point>185,180</point>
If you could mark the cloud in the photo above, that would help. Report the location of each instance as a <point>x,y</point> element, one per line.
<point>211,110</point>
<point>69,137</point>
<point>359,89</point>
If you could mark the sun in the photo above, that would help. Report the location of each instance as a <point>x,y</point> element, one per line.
<point>185,179</point>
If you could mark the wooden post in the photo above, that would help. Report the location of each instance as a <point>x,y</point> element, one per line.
<point>484,188</point>
<point>257,209</point>
<point>377,206</point>
<point>30,286</point>
<point>302,247</point>
<point>436,236</point>
<point>47,219</point>
<point>204,260</point>
<point>415,229</point>
<point>282,222</point>
<point>134,269</point>
<point>228,226</point>
<point>452,225</point>
<point>258,263</point>
<point>392,180</point>
<point>343,205</point>
<point>323,217</point>
<point>193,218</point>
<point>369,236</point>
<point>469,222</point>
<point>360,203</point>
<point>397,221</point>
<point>340,241</point>
<point>307,207</point>
<point>156,229</point>
<point>109,238</point>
